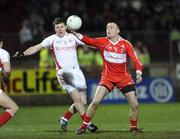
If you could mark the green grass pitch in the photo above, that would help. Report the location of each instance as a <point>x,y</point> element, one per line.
<point>160,121</point>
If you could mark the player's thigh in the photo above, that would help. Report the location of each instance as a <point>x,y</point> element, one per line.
<point>67,87</point>
<point>65,76</point>
<point>79,79</point>
<point>6,102</point>
<point>60,78</point>
<point>101,92</point>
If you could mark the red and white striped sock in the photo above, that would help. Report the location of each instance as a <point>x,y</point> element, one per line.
<point>133,123</point>
<point>68,115</point>
<point>83,116</point>
<point>86,121</point>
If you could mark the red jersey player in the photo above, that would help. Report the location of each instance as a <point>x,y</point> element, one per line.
<point>114,50</point>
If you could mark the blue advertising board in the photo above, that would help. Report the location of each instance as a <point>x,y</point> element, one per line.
<point>159,90</point>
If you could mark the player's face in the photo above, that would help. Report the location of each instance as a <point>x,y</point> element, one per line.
<point>112,30</point>
<point>60,29</point>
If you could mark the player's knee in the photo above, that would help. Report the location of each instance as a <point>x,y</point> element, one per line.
<point>77,100</point>
<point>84,101</point>
<point>15,108</point>
<point>135,106</point>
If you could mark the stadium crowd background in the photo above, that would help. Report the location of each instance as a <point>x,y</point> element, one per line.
<point>161,15</point>
<point>155,24</point>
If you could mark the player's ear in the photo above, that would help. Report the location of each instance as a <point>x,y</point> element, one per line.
<point>66,27</point>
<point>1,44</point>
<point>118,31</point>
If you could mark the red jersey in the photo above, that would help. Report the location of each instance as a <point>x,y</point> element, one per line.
<point>115,56</point>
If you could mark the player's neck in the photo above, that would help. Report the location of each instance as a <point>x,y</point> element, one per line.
<point>115,38</point>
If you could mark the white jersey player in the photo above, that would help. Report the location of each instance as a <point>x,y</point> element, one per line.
<point>63,47</point>
<point>6,102</point>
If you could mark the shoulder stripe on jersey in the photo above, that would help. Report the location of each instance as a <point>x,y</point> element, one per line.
<point>53,53</point>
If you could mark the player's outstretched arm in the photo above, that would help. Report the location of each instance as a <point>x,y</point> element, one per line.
<point>78,35</point>
<point>30,51</point>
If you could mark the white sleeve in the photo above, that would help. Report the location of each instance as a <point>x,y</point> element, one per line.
<point>46,42</point>
<point>5,57</point>
<point>79,42</point>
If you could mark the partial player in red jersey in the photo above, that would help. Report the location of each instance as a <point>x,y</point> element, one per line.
<point>114,50</point>
<point>5,102</point>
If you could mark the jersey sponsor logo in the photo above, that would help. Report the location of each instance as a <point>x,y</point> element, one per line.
<point>69,48</point>
<point>58,41</point>
<point>161,90</point>
<point>114,57</point>
<point>64,45</point>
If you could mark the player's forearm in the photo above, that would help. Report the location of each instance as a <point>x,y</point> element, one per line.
<point>89,41</point>
<point>85,39</point>
<point>138,65</point>
<point>136,62</point>
<point>5,75</point>
<point>134,57</point>
<point>32,50</point>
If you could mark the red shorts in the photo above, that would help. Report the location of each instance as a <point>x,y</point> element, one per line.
<point>120,82</point>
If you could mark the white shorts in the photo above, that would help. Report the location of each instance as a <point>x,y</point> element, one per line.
<point>71,79</point>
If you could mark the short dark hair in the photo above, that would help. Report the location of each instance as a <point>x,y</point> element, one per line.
<point>1,37</point>
<point>113,21</point>
<point>58,20</point>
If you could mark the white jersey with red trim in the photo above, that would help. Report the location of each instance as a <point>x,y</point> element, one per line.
<point>63,50</point>
<point>4,57</point>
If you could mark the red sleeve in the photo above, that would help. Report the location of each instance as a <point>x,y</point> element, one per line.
<point>133,56</point>
<point>95,42</point>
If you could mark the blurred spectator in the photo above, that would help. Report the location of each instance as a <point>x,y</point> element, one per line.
<point>45,59</point>
<point>25,34</point>
<point>134,15</point>
<point>98,63</point>
<point>136,4</point>
<point>55,8</point>
<point>98,59</point>
<point>35,17</point>
<point>144,55</point>
<point>175,38</point>
<point>86,59</point>
<point>37,32</point>
<point>152,18</point>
